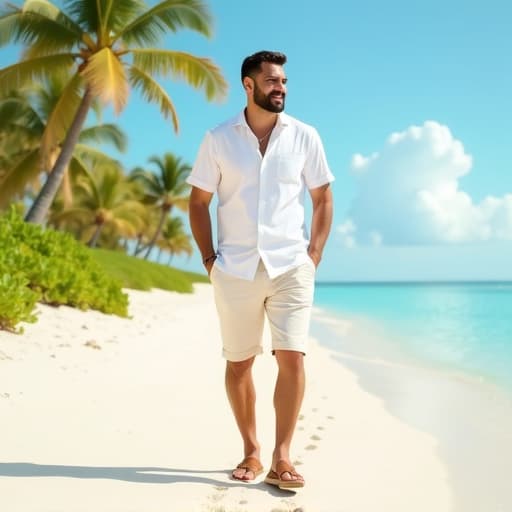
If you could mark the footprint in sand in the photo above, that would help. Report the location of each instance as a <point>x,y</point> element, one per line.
<point>315,438</point>
<point>311,447</point>
<point>4,356</point>
<point>92,344</point>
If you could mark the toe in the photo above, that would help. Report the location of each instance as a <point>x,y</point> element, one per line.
<point>243,474</point>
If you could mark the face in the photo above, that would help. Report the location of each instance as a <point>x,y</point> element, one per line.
<point>270,87</point>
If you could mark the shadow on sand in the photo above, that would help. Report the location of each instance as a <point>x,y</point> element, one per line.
<point>150,475</point>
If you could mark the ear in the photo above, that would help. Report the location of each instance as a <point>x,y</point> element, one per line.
<point>248,84</point>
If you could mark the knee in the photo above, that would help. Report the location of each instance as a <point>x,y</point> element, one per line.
<point>239,369</point>
<point>290,361</point>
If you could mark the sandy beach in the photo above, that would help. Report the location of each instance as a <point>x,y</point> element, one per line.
<point>103,414</point>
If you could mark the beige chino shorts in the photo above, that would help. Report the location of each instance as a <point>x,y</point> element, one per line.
<point>242,305</point>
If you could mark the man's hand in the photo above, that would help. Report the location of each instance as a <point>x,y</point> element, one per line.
<point>209,265</point>
<point>315,256</point>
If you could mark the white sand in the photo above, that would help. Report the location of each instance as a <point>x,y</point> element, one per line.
<point>141,423</point>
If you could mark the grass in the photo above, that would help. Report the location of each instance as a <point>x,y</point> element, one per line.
<point>143,275</point>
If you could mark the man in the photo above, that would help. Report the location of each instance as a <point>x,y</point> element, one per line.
<point>259,164</point>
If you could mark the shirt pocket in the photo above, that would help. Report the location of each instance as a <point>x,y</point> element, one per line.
<point>290,166</point>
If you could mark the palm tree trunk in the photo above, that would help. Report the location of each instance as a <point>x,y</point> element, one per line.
<point>151,243</point>
<point>39,209</point>
<point>94,238</point>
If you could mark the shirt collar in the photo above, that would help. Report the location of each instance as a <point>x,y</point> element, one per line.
<point>282,119</point>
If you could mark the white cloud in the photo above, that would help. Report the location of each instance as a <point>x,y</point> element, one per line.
<point>360,162</point>
<point>408,193</point>
<point>347,231</point>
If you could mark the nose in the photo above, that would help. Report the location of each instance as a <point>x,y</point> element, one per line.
<point>281,87</point>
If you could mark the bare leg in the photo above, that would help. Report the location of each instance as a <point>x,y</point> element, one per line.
<point>288,396</point>
<point>242,397</point>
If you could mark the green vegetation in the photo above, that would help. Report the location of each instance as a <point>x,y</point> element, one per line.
<point>44,265</point>
<point>104,48</point>
<point>51,267</point>
<point>144,275</point>
<point>75,57</point>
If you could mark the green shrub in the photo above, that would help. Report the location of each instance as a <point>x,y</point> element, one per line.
<point>53,267</point>
<point>16,301</point>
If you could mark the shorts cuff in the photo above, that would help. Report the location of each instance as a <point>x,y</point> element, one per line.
<point>296,346</point>
<point>236,357</point>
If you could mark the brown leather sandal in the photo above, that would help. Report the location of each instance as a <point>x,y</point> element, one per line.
<point>249,464</point>
<point>276,477</point>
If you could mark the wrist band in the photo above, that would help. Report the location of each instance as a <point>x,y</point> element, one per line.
<point>211,257</point>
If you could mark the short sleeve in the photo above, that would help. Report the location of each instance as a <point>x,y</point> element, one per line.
<point>205,172</point>
<point>316,169</point>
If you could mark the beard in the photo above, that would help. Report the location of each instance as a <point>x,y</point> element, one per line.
<point>265,101</point>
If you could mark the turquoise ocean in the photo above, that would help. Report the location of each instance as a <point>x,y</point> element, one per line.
<point>456,327</point>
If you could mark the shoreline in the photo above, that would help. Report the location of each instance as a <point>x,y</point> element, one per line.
<point>471,418</point>
<point>111,414</point>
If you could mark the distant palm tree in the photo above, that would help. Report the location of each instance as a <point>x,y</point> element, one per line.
<point>104,199</point>
<point>94,39</point>
<point>164,190</point>
<point>174,239</point>
<point>24,116</point>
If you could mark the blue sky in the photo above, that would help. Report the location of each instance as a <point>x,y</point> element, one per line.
<point>413,101</point>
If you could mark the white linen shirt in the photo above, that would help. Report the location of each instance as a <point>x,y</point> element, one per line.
<point>260,210</point>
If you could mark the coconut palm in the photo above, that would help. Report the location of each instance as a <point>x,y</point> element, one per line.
<point>174,239</point>
<point>164,189</point>
<point>106,45</point>
<point>104,199</point>
<point>23,119</point>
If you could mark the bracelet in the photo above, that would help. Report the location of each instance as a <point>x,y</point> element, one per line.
<point>211,257</point>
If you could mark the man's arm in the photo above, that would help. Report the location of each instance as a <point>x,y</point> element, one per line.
<point>321,221</point>
<point>200,223</point>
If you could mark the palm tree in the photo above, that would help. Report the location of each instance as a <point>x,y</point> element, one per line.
<point>104,199</point>
<point>106,45</point>
<point>24,116</point>
<point>174,239</point>
<point>164,190</point>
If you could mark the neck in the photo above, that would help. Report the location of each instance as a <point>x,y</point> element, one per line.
<point>259,120</point>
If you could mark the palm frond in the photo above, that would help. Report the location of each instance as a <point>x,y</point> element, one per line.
<point>171,15</point>
<point>199,72</point>
<point>77,166</point>
<point>106,77</point>
<point>40,25</point>
<point>85,13</point>
<point>105,133</point>
<point>15,76</point>
<point>12,110</point>
<point>153,92</point>
<point>15,181</point>
<point>116,14</point>
<point>92,156</point>
<point>181,203</point>
<point>61,116</point>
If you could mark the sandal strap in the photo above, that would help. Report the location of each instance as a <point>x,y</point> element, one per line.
<point>250,464</point>
<point>283,467</point>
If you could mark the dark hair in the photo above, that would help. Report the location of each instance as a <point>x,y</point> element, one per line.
<point>252,64</point>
